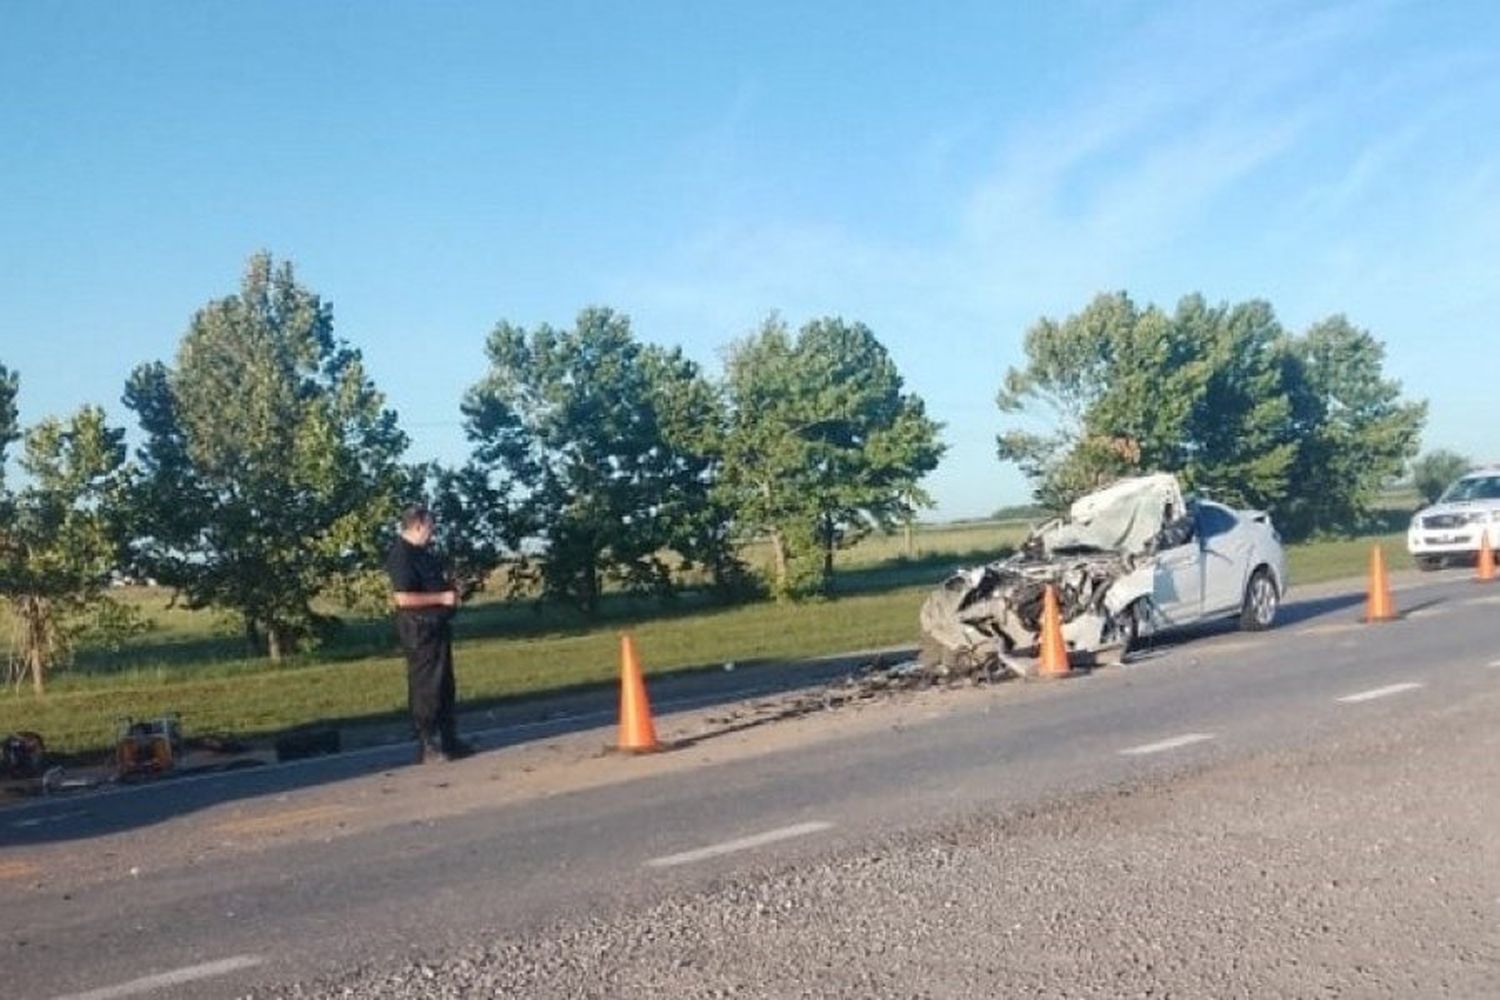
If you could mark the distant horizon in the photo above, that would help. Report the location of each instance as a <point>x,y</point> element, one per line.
<point>946,180</point>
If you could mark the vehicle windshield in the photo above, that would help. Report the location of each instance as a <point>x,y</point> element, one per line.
<point>1473,488</point>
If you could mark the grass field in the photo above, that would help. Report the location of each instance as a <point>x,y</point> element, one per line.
<point>192,662</point>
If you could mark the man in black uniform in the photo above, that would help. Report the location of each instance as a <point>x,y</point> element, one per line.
<point>425,602</point>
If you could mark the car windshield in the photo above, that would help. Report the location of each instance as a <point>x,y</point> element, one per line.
<point>1473,488</point>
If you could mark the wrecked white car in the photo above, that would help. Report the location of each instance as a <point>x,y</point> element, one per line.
<point>1130,559</point>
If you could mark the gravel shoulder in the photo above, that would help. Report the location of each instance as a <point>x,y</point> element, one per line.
<point>1366,866</point>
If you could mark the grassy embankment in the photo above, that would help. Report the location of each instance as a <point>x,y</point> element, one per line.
<point>191,662</point>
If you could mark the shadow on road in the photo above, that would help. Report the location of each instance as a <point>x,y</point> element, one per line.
<point>117,808</point>
<point>1301,612</point>
<point>1292,614</point>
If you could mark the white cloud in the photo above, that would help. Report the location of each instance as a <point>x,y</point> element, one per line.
<point>1132,168</point>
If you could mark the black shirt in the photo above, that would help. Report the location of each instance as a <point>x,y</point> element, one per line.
<point>415,569</point>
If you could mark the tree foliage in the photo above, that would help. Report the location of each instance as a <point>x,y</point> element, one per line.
<point>1355,430</point>
<point>692,418</point>
<point>9,429</point>
<point>1435,471</point>
<point>822,444</point>
<point>591,445</point>
<point>270,461</point>
<point>475,525</point>
<point>62,536</point>
<point>1306,426</point>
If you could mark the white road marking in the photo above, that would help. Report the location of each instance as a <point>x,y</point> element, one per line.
<point>1329,629</point>
<point>1171,744</point>
<point>742,844</point>
<point>176,977</point>
<point>1231,646</point>
<point>23,824</point>
<point>1380,692</point>
<point>1433,612</point>
<point>1496,663</point>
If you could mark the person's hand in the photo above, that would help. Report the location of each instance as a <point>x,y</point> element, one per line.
<point>450,598</point>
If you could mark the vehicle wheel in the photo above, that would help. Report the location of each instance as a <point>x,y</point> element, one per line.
<point>1428,564</point>
<point>1258,613</point>
<point>1132,625</point>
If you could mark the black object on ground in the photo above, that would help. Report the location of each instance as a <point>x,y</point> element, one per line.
<point>309,742</point>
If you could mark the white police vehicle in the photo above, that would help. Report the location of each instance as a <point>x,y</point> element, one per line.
<point>1452,528</point>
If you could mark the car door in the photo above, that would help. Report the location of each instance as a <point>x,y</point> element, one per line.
<point>1226,552</point>
<point>1177,582</point>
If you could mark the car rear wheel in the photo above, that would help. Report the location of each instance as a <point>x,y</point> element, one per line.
<point>1261,602</point>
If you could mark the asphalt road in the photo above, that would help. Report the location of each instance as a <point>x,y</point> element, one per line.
<point>205,924</point>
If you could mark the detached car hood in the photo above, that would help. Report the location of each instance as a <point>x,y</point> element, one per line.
<point>1123,518</point>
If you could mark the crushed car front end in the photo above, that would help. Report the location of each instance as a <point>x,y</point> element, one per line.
<point>988,618</point>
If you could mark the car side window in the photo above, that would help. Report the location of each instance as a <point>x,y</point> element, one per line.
<point>1214,520</point>
<point>1177,529</point>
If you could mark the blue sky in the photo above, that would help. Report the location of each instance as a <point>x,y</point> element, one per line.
<point>946,173</point>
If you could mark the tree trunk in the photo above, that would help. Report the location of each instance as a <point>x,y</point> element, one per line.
<point>588,588</point>
<point>275,643</point>
<point>778,559</point>
<point>34,616</point>
<point>911,548</point>
<point>38,672</point>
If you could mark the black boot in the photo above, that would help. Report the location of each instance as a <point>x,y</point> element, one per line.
<point>453,747</point>
<point>457,749</point>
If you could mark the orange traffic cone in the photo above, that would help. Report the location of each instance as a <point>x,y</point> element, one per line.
<point>637,731</point>
<point>1053,661</point>
<point>1379,607</point>
<point>1486,559</point>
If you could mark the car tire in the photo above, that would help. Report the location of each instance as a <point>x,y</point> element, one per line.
<point>1133,624</point>
<point>1262,601</point>
<point>1429,564</point>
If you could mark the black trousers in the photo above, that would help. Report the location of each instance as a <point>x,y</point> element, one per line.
<point>427,641</point>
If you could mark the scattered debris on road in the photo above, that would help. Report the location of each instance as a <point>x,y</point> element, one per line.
<point>149,747</point>
<point>869,682</point>
<point>308,741</point>
<point>23,755</point>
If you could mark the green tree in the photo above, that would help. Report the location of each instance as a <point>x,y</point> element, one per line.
<point>1356,431</point>
<point>1435,471</point>
<point>1072,368</point>
<point>1237,443</point>
<point>271,464</point>
<point>698,518</point>
<point>476,523</point>
<point>1220,395</point>
<point>9,429</point>
<point>62,537</point>
<point>822,444</point>
<point>1198,393</point>
<point>581,438</point>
